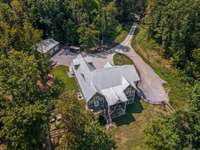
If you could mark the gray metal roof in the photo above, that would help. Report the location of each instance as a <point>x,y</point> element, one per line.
<point>46,45</point>
<point>110,81</point>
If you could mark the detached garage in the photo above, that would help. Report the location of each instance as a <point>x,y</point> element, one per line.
<point>48,46</point>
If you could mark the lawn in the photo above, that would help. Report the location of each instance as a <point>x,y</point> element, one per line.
<point>121,59</point>
<point>129,134</point>
<point>61,73</point>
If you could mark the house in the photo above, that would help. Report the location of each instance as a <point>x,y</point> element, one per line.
<point>48,46</point>
<point>108,90</point>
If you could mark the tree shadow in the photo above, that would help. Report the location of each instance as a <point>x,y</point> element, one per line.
<point>136,107</point>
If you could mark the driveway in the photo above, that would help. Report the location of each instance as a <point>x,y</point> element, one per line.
<point>151,84</point>
<point>64,57</point>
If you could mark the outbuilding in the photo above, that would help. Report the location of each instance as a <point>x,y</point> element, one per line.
<point>48,46</point>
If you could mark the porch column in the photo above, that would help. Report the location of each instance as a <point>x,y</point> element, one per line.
<point>109,116</point>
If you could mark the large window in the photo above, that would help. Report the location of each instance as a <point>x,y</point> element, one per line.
<point>97,101</point>
<point>129,92</point>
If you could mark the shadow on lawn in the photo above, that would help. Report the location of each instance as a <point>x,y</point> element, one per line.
<point>136,107</point>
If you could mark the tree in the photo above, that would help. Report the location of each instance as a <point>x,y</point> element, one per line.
<point>160,135</point>
<point>24,126</point>
<point>195,97</point>
<point>88,36</point>
<point>81,130</point>
<point>16,30</point>
<point>178,131</point>
<point>175,25</point>
<point>23,113</point>
<point>18,77</point>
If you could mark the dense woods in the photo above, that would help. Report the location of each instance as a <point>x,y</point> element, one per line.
<point>79,22</point>
<point>175,24</point>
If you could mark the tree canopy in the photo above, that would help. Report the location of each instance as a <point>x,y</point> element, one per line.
<point>81,129</point>
<point>175,24</point>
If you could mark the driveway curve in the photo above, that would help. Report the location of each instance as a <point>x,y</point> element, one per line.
<point>151,84</point>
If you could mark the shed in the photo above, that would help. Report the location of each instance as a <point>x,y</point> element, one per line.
<point>48,46</point>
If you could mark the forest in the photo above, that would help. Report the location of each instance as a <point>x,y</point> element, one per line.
<point>175,25</point>
<point>25,109</point>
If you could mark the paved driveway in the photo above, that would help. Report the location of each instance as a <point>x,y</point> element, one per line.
<point>64,57</point>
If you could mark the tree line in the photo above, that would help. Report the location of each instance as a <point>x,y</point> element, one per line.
<point>87,23</point>
<point>175,24</point>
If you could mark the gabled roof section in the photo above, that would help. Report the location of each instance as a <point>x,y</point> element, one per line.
<point>46,45</point>
<point>110,81</point>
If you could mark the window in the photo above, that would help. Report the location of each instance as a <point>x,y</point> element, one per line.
<point>129,92</point>
<point>96,103</point>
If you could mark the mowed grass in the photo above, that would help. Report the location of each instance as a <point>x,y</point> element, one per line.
<point>176,85</point>
<point>61,73</point>
<point>129,134</point>
<point>120,59</point>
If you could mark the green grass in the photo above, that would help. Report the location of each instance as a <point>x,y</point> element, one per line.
<point>61,73</point>
<point>123,32</point>
<point>121,59</point>
<point>121,36</point>
<point>178,88</point>
<point>129,135</point>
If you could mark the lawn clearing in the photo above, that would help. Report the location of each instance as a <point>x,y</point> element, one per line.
<point>129,135</point>
<point>61,73</point>
<point>121,59</point>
